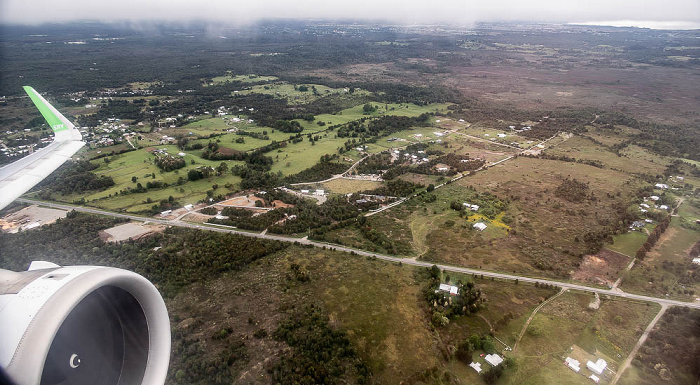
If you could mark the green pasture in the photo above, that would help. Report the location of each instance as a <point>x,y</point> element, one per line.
<point>249,78</point>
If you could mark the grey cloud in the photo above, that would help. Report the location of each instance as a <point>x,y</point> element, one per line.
<point>400,11</point>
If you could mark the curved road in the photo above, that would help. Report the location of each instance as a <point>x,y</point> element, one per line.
<point>406,261</point>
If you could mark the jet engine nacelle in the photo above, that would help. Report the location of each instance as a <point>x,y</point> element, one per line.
<point>82,325</point>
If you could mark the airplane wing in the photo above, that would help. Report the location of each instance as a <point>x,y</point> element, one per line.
<point>18,177</point>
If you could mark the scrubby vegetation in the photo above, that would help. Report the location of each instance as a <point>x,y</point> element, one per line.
<point>75,177</point>
<point>182,256</point>
<point>320,354</point>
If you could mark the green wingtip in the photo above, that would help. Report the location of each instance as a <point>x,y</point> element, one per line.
<point>44,107</point>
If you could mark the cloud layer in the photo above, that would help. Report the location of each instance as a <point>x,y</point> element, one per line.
<point>463,12</point>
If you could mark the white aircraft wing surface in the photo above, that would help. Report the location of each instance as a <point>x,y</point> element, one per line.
<point>18,177</point>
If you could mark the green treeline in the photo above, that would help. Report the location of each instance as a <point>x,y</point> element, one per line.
<point>171,260</point>
<point>75,177</point>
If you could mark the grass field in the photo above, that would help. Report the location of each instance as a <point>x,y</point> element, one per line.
<point>289,160</point>
<point>633,159</point>
<point>293,92</point>
<point>664,271</point>
<point>567,322</point>
<point>346,186</point>
<point>249,78</point>
<point>628,243</point>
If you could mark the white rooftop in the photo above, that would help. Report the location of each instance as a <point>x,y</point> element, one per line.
<point>598,366</point>
<point>476,366</point>
<point>493,359</point>
<point>573,364</point>
<point>480,226</point>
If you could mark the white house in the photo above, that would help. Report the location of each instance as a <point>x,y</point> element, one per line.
<point>662,186</point>
<point>453,290</point>
<point>501,135</point>
<point>597,367</point>
<point>476,366</point>
<point>696,260</point>
<point>663,207</point>
<point>188,207</point>
<point>654,198</point>
<point>573,364</point>
<point>594,378</point>
<point>646,206</point>
<point>304,191</point>
<point>475,207</point>
<point>319,192</point>
<point>480,226</point>
<point>493,359</point>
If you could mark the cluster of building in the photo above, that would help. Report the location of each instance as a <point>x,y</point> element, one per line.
<point>493,360</point>
<point>316,192</point>
<point>405,156</point>
<point>107,133</point>
<point>597,367</point>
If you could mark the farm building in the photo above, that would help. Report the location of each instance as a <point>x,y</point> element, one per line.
<point>573,364</point>
<point>597,367</point>
<point>453,290</point>
<point>480,226</point>
<point>594,378</point>
<point>476,366</point>
<point>493,359</point>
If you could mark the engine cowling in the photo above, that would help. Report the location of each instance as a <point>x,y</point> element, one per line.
<point>82,325</point>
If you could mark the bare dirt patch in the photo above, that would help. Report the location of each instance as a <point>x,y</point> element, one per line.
<point>602,268</point>
<point>279,204</point>
<point>197,217</point>
<point>29,218</point>
<point>241,201</point>
<point>131,230</point>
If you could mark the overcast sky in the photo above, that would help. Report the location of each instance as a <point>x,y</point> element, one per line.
<point>464,12</point>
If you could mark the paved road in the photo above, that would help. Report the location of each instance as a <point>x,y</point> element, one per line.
<point>405,261</point>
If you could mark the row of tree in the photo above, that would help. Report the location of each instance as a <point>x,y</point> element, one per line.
<point>653,238</point>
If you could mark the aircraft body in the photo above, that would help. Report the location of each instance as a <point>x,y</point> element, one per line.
<point>78,325</point>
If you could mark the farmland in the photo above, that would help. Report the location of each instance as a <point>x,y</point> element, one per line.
<point>533,150</point>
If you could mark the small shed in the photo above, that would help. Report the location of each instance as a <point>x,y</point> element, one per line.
<point>480,226</point>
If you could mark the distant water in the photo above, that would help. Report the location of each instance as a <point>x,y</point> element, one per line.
<point>668,25</point>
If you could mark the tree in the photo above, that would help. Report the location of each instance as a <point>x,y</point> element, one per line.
<point>133,179</point>
<point>475,341</point>
<point>430,188</point>
<point>464,352</point>
<point>368,109</point>
<point>493,374</point>
<point>487,345</point>
<point>194,175</point>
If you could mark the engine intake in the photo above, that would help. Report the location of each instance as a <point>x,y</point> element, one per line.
<point>82,325</point>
